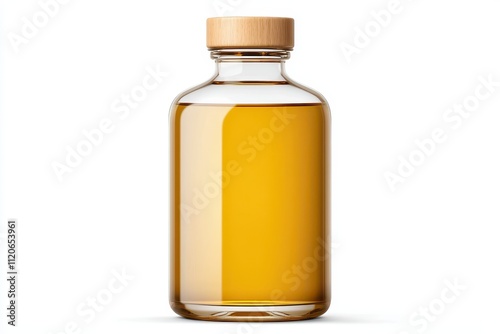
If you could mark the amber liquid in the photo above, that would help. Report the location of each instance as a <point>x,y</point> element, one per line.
<point>249,210</point>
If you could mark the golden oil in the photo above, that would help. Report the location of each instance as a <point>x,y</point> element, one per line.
<point>250,192</point>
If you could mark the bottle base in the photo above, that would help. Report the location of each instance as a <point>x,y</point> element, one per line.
<point>257,313</point>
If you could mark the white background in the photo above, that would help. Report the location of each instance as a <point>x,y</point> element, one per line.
<point>395,249</point>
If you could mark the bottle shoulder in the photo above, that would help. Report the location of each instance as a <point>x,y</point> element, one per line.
<point>282,92</point>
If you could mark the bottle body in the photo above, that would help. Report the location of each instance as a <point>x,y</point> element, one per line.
<point>250,197</point>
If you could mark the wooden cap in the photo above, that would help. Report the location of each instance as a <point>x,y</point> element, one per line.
<point>240,32</point>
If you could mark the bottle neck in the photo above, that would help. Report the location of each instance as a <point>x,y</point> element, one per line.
<point>255,66</point>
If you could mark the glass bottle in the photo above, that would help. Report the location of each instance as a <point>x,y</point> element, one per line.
<point>250,168</point>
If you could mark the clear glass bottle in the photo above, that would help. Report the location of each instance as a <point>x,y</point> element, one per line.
<point>250,168</point>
